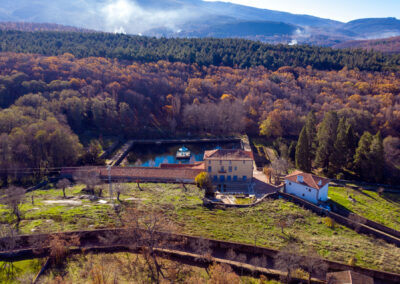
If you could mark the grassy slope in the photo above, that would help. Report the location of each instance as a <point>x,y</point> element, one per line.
<point>254,225</point>
<point>42,217</point>
<point>257,225</point>
<point>383,209</point>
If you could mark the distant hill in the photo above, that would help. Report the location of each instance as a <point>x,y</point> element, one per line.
<point>386,45</point>
<point>374,28</point>
<point>195,18</point>
<point>36,27</point>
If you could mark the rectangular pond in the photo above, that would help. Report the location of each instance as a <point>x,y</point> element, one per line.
<point>152,155</point>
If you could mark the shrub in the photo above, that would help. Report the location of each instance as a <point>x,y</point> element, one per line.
<point>330,222</point>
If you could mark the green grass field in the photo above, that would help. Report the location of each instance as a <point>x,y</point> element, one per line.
<point>383,209</point>
<point>257,225</point>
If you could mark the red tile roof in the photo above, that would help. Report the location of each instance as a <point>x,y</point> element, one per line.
<point>142,172</point>
<point>308,179</point>
<point>197,165</point>
<point>224,154</point>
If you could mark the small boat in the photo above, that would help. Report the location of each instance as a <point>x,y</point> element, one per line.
<point>183,153</point>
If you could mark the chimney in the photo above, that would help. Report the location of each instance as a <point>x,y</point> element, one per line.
<point>299,178</point>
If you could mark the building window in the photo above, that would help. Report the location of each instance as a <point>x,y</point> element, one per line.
<point>209,162</point>
<point>290,183</point>
<point>220,162</point>
<point>215,178</point>
<point>230,169</point>
<point>303,194</point>
<point>209,169</point>
<point>309,189</point>
<point>235,168</point>
<point>244,162</point>
<point>230,162</point>
<point>222,169</point>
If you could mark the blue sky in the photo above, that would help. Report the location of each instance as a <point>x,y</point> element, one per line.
<point>342,10</point>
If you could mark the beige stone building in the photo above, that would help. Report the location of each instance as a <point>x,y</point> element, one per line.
<point>229,167</point>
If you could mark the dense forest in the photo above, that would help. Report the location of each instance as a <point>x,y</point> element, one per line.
<point>236,53</point>
<point>50,103</point>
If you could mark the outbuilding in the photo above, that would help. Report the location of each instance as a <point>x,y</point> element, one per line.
<point>307,186</point>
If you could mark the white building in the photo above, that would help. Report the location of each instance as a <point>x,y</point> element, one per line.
<point>307,186</point>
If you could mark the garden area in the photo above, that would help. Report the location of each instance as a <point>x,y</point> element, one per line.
<point>273,223</point>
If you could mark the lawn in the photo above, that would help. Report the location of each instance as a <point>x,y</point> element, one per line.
<point>384,209</point>
<point>50,212</point>
<point>257,225</point>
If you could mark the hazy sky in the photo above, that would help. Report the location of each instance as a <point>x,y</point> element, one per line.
<point>342,10</point>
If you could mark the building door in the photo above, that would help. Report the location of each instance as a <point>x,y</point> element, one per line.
<point>215,178</point>
<point>234,178</point>
<point>244,178</point>
<point>229,178</point>
<point>221,178</point>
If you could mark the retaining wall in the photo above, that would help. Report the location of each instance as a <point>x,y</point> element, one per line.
<point>182,243</point>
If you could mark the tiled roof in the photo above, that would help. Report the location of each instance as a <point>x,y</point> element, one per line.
<point>349,277</point>
<point>224,154</point>
<point>142,172</point>
<point>308,179</point>
<point>197,165</point>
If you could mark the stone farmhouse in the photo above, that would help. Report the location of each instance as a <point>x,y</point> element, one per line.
<point>230,170</point>
<point>307,186</point>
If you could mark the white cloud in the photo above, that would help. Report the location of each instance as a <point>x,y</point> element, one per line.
<point>128,16</point>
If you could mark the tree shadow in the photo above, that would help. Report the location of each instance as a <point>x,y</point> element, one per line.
<point>361,191</point>
<point>339,208</point>
<point>393,198</point>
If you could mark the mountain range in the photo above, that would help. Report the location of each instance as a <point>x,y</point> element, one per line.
<point>196,18</point>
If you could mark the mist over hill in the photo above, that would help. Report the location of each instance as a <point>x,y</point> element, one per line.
<point>196,18</point>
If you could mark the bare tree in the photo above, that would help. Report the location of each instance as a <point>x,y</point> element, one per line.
<point>7,243</point>
<point>279,167</point>
<point>14,197</point>
<point>287,261</point>
<point>313,264</point>
<point>146,226</point>
<point>119,189</point>
<point>201,247</point>
<point>88,177</point>
<point>63,184</point>
<point>358,220</point>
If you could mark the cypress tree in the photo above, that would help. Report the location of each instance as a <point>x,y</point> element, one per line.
<point>338,157</point>
<point>326,139</point>
<point>362,164</point>
<point>351,146</point>
<point>303,159</point>
<point>376,158</point>
<point>292,151</point>
<point>311,129</point>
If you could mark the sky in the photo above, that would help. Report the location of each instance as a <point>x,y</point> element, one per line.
<point>341,10</point>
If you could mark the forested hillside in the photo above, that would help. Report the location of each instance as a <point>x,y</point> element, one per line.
<point>385,45</point>
<point>49,102</point>
<point>219,52</point>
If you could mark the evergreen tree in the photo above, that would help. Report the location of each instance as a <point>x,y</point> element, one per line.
<point>311,129</point>
<point>338,157</point>
<point>292,151</point>
<point>351,145</point>
<point>326,139</point>
<point>303,159</point>
<point>362,162</point>
<point>376,158</point>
